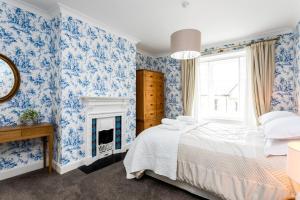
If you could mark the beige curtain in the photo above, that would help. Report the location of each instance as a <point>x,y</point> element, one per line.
<point>262,71</point>
<point>188,73</point>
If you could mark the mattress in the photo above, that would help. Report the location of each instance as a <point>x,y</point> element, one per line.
<point>228,161</point>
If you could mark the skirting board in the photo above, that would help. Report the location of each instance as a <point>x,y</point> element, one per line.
<point>69,167</point>
<point>184,186</point>
<point>5,174</point>
<point>21,170</point>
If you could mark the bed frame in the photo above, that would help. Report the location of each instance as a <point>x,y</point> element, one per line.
<point>196,191</point>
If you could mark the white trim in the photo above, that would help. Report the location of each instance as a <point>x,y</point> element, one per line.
<point>27,7</point>
<point>166,54</point>
<point>92,21</point>
<point>100,100</point>
<point>4,174</point>
<point>62,8</point>
<point>145,53</point>
<point>74,165</point>
<point>256,36</point>
<point>126,147</point>
<point>68,167</point>
<point>55,11</point>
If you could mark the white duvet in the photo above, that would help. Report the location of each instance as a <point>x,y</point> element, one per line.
<point>225,160</point>
<point>146,153</point>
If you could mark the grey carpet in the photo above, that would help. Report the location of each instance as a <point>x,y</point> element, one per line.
<point>108,183</point>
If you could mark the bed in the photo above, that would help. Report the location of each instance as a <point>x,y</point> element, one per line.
<point>212,160</point>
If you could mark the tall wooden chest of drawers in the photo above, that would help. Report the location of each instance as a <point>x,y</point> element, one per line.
<point>150,99</point>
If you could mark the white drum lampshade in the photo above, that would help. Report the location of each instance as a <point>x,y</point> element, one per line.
<point>293,161</point>
<point>186,44</point>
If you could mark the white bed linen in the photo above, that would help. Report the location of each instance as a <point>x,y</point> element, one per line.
<point>229,161</point>
<point>225,160</point>
<point>160,157</point>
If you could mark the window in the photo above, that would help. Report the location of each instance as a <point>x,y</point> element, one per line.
<point>222,85</point>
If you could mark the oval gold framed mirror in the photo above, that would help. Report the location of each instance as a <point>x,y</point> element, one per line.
<point>9,78</point>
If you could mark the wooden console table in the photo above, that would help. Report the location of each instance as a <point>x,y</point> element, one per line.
<point>43,130</point>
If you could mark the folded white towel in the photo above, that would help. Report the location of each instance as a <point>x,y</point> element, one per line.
<point>169,127</point>
<point>172,122</point>
<point>186,119</point>
<point>169,121</point>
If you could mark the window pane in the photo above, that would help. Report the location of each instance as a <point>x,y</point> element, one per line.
<point>225,76</point>
<point>220,87</point>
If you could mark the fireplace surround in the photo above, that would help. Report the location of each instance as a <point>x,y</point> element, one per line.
<point>105,125</point>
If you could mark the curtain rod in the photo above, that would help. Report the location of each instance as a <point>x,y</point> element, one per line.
<point>267,40</point>
<point>235,46</point>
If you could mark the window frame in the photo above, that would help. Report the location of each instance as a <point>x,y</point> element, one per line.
<point>219,57</point>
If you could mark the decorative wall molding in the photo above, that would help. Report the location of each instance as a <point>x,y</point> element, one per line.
<point>145,53</point>
<point>66,10</point>
<point>255,36</point>
<point>28,7</point>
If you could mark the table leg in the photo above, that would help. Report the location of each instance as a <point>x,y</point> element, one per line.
<point>50,146</point>
<point>44,151</point>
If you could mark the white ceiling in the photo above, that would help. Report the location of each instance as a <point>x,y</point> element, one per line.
<point>153,21</point>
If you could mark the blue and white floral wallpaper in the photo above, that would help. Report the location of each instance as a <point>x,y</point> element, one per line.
<point>63,58</point>
<point>284,95</point>
<point>297,53</point>
<point>93,63</point>
<point>25,38</point>
<point>60,60</point>
<point>172,72</point>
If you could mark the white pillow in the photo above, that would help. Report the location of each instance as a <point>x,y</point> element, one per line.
<point>276,147</point>
<point>283,128</point>
<point>267,117</point>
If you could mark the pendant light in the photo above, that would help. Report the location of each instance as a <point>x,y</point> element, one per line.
<point>186,44</point>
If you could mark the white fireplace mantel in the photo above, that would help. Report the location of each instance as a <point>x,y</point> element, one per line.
<point>104,100</point>
<point>102,107</point>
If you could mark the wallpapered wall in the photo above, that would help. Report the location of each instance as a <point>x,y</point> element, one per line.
<point>25,37</point>
<point>297,53</point>
<point>60,60</point>
<point>64,58</point>
<point>94,63</point>
<point>284,91</point>
<point>172,72</point>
